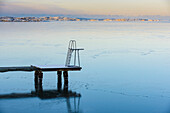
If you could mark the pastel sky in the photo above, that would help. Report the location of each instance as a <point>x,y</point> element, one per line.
<point>89,7</point>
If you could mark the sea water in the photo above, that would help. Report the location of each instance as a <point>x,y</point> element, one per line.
<point>125,66</point>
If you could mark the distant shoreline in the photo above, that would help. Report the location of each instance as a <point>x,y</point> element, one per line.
<point>59,18</point>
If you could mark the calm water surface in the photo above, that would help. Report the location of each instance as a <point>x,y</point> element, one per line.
<point>126,66</point>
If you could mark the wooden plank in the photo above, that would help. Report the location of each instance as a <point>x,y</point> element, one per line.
<point>40,67</point>
<point>57,68</point>
<point>23,68</point>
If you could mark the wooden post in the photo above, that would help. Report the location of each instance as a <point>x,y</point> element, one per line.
<point>38,76</point>
<point>65,74</point>
<point>36,80</point>
<point>59,83</point>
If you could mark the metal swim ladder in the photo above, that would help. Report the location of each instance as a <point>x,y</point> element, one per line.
<point>72,49</point>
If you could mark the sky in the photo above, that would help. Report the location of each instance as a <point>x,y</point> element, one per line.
<point>86,7</point>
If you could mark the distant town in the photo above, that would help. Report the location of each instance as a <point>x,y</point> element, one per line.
<point>58,18</point>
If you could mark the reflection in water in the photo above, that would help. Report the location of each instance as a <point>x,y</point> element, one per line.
<point>49,94</point>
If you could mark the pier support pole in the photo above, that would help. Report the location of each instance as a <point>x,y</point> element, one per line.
<point>65,74</point>
<point>36,80</point>
<point>59,82</point>
<point>38,76</point>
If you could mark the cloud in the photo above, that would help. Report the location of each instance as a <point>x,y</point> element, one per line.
<point>168,4</point>
<point>1,5</point>
<point>32,8</point>
<point>76,7</point>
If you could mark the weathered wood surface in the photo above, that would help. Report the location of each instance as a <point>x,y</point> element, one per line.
<point>42,68</point>
<point>23,68</point>
<point>57,68</point>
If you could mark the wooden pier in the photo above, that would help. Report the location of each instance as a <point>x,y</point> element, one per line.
<point>39,69</point>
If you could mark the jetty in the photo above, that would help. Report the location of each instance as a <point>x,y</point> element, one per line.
<point>72,55</point>
<point>41,68</point>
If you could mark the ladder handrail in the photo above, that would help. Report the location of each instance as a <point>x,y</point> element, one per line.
<point>73,48</point>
